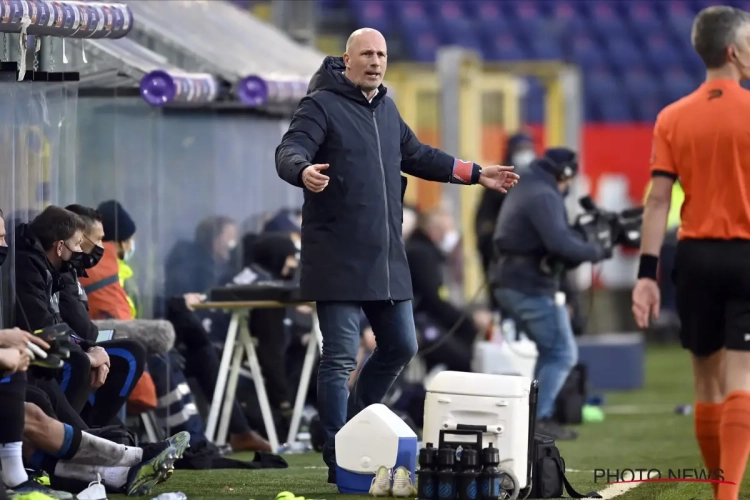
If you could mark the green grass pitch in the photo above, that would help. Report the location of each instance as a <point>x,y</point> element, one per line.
<point>643,433</point>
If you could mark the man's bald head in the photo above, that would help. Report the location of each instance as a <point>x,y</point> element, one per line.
<point>366,59</point>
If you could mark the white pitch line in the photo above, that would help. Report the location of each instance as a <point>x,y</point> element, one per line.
<point>617,489</point>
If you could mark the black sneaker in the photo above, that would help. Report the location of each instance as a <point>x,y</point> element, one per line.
<point>550,428</point>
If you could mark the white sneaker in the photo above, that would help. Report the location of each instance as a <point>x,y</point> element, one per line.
<point>381,483</point>
<point>402,485</point>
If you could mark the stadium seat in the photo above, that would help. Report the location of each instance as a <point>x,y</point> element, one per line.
<point>679,17</point>
<point>645,109</point>
<point>421,45</point>
<point>504,47</point>
<point>639,84</point>
<point>623,53</point>
<point>412,16</point>
<point>373,14</point>
<point>489,20</point>
<point>567,19</point>
<point>454,28</point>
<point>661,52</point>
<point>533,109</point>
<point>601,84</point>
<point>613,110</point>
<point>585,52</point>
<point>603,20</point>
<point>544,48</point>
<point>526,18</point>
<point>642,18</point>
<point>677,83</point>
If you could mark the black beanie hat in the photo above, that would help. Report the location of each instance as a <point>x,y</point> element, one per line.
<point>118,225</point>
<point>561,162</point>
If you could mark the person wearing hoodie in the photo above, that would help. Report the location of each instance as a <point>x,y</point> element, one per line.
<point>532,230</point>
<point>347,146</point>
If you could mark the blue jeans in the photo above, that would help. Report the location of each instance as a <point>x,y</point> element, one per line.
<point>393,326</point>
<point>548,325</point>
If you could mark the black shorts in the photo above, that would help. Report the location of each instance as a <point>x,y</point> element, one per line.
<point>712,279</point>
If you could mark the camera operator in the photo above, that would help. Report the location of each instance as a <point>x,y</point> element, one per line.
<point>532,232</point>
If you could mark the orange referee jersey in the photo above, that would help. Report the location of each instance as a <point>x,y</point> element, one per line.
<point>704,140</point>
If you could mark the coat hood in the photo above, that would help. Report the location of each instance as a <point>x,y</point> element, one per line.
<point>330,76</point>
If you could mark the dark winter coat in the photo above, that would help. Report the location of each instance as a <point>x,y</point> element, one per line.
<point>351,232</point>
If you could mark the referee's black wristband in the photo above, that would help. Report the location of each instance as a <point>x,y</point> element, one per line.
<point>648,267</point>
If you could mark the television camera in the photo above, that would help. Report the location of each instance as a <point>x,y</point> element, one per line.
<point>610,228</point>
<point>604,227</point>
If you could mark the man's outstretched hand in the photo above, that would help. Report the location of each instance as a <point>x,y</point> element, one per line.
<point>313,179</point>
<point>498,177</point>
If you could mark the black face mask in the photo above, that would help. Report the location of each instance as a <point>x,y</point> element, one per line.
<point>90,260</point>
<point>76,262</point>
<point>3,254</point>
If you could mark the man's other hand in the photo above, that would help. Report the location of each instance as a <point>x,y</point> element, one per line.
<point>14,360</point>
<point>482,320</point>
<point>646,301</point>
<point>98,357</point>
<point>18,339</point>
<point>498,177</point>
<point>99,376</point>
<point>313,179</point>
<point>192,299</point>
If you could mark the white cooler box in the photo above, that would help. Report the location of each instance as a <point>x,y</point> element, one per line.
<point>497,404</point>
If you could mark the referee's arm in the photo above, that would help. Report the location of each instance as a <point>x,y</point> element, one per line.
<point>659,199</point>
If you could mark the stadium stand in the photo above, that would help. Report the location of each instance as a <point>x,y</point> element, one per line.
<point>639,48</point>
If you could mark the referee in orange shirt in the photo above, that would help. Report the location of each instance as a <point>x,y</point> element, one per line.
<point>704,140</point>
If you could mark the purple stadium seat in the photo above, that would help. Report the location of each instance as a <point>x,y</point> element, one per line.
<point>527,18</point>
<point>677,84</point>
<point>643,18</point>
<point>533,109</point>
<point>661,52</point>
<point>454,27</point>
<point>567,20</point>
<point>544,48</point>
<point>504,47</point>
<point>639,83</point>
<point>488,18</point>
<point>623,53</point>
<point>646,108</point>
<point>599,83</point>
<point>679,19</point>
<point>604,20</point>
<point>585,52</point>
<point>613,110</point>
<point>421,46</point>
<point>412,15</point>
<point>373,14</point>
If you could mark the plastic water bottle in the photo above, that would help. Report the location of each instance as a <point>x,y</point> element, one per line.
<point>469,489</point>
<point>427,474</point>
<point>446,474</point>
<point>171,496</point>
<point>490,479</point>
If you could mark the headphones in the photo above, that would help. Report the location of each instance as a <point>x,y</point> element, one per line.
<point>562,170</point>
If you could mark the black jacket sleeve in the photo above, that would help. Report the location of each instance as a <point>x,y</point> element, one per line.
<point>32,299</point>
<point>421,160</point>
<point>426,283</point>
<point>548,218</point>
<point>306,133</point>
<point>73,311</point>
